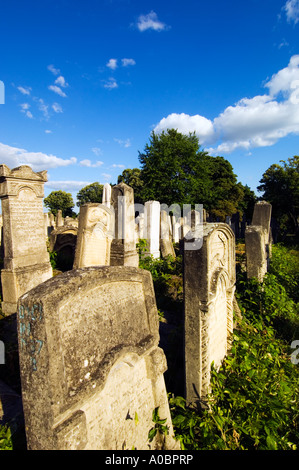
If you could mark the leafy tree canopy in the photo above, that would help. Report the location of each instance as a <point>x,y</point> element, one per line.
<point>174,170</point>
<point>60,200</point>
<point>90,193</point>
<point>280,185</point>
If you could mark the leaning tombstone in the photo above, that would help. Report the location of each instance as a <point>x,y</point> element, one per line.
<point>91,371</point>
<point>26,259</point>
<point>123,246</point>
<point>95,234</point>
<point>209,285</point>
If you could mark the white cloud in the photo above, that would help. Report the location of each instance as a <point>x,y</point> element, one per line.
<point>25,106</point>
<point>24,90</point>
<point>117,166</point>
<point>106,176</point>
<point>150,21</point>
<point>97,151</point>
<point>57,90</point>
<point>185,124</point>
<point>110,84</point>
<point>282,80</point>
<point>25,109</point>
<point>112,64</point>
<point>67,185</point>
<point>14,157</point>
<point>292,10</point>
<point>124,143</point>
<point>47,131</point>
<point>251,122</point>
<point>57,108</point>
<point>89,164</point>
<point>53,69</point>
<point>43,108</point>
<point>126,62</point>
<point>61,82</point>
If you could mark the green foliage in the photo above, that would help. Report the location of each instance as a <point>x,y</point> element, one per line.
<point>284,265</point>
<point>280,185</point>
<point>60,200</point>
<point>253,401</point>
<point>159,427</point>
<point>5,438</point>
<point>90,193</point>
<point>53,259</point>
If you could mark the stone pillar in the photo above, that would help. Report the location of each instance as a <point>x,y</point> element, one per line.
<point>258,241</point>
<point>59,219</point>
<point>123,247</point>
<point>95,235</point>
<point>26,259</point>
<point>106,198</point>
<point>166,244</point>
<point>152,227</point>
<point>209,285</point>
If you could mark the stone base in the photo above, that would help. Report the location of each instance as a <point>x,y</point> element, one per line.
<point>120,257</point>
<point>19,281</point>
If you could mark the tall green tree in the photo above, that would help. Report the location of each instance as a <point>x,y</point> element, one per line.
<point>175,170</point>
<point>280,187</point>
<point>90,193</point>
<point>60,200</point>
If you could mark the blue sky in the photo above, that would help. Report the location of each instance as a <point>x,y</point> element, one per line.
<point>87,82</point>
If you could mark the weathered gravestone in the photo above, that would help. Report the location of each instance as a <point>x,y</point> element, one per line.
<point>258,241</point>
<point>26,260</point>
<point>95,234</point>
<point>91,368</point>
<point>209,285</point>
<point>166,244</point>
<point>59,220</point>
<point>123,246</point>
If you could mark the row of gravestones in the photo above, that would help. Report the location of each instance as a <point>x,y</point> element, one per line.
<point>91,367</point>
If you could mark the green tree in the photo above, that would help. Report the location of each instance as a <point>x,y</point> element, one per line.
<point>60,200</point>
<point>280,185</point>
<point>90,193</point>
<point>133,178</point>
<point>175,170</point>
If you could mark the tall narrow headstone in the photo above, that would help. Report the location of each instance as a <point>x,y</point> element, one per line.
<point>258,241</point>
<point>26,260</point>
<point>123,246</point>
<point>91,368</point>
<point>152,228</point>
<point>95,234</point>
<point>59,219</point>
<point>106,198</point>
<point>209,285</point>
<point>166,244</point>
